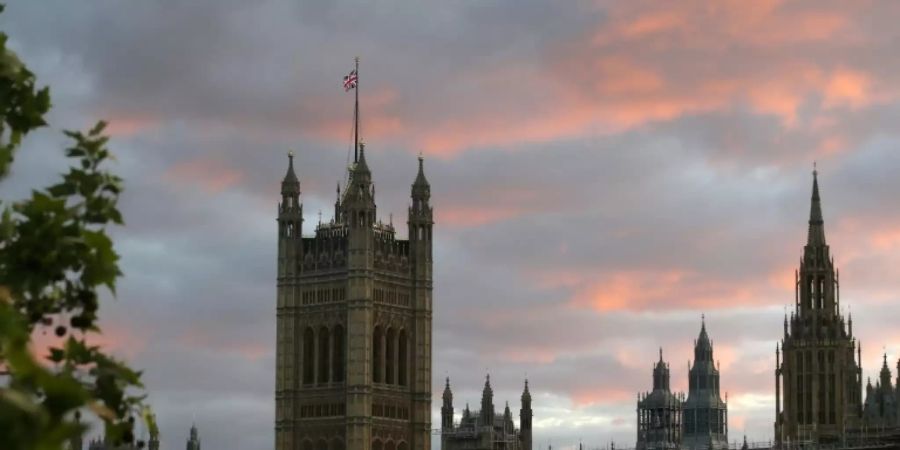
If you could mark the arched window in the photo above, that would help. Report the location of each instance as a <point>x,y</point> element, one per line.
<point>402,358</point>
<point>322,445</point>
<point>323,356</point>
<point>337,360</point>
<point>389,446</point>
<point>307,445</point>
<point>376,445</point>
<point>390,355</point>
<point>377,353</point>
<point>402,446</point>
<point>337,444</point>
<point>309,346</point>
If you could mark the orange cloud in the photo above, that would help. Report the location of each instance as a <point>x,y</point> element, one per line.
<point>130,125</point>
<point>848,88</point>
<point>211,175</point>
<point>600,395</point>
<point>672,289</point>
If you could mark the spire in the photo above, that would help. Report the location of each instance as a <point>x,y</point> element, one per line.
<point>816,236</point>
<point>703,348</point>
<point>448,394</point>
<point>526,394</point>
<point>420,177</point>
<point>487,392</point>
<point>361,166</point>
<point>290,184</point>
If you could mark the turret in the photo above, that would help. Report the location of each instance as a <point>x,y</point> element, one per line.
<point>447,408</point>
<point>421,222</point>
<point>193,442</point>
<point>885,375</point>
<point>358,210</point>
<point>661,374</point>
<point>507,418</point>
<point>290,224</point>
<point>525,415</point>
<point>487,403</point>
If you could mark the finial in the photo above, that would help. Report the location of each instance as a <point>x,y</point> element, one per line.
<point>814,167</point>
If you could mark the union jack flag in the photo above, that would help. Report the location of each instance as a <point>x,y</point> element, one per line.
<point>350,81</point>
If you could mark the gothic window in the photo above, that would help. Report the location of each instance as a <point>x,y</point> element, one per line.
<point>322,445</point>
<point>377,353</point>
<point>390,355</point>
<point>389,446</point>
<point>307,445</point>
<point>376,445</point>
<point>323,355</point>
<point>821,295</point>
<point>809,304</point>
<point>403,446</point>
<point>338,357</point>
<point>403,358</point>
<point>308,356</point>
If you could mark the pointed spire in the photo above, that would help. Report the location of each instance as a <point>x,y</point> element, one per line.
<point>361,165</point>
<point>448,394</point>
<point>290,184</point>
<point>526,395</point>
<point>816,235</point>
<point>420,177</point>
<point>290,176</point>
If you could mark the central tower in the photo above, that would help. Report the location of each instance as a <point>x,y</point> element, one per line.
<point>354,305</point>
<point>820,374</point>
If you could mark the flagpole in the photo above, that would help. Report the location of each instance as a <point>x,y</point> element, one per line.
<point>356,116</point>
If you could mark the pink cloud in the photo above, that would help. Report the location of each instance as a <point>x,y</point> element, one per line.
<point>212,175</point>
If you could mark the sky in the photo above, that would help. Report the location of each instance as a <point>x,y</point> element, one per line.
<point>603,173</point>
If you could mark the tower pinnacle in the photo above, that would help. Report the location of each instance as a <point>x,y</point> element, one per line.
<point>816,236</point>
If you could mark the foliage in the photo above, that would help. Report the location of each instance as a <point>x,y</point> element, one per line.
<point>55,257</point>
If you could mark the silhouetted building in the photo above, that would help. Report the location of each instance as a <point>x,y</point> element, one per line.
<point>354,309</point>
<point>659,413</point>
<point>882,400</point>
<point>820,375</point>
<point>485,429</point>
<point>193,442</point>
<point>666,420</point>
<point>705,414</point>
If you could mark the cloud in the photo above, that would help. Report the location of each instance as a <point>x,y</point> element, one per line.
<point>602,173</point>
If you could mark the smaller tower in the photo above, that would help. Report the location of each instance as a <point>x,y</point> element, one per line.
<point>290,223</point>
<point>525,415</point>
<point>193,442</point>
<point>447,408</point>
<point>487,404</point>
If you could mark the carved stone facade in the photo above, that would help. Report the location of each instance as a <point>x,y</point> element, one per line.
<point>354,309</point>
<point>485,429</point>
<point>820,374</point>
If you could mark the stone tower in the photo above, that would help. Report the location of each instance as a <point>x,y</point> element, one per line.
<point>525,416</point>
<point>705,414</point>
<point>354,305</point>
<point>193,442</point>
<point>820,376</point>
<point>659,413</point>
